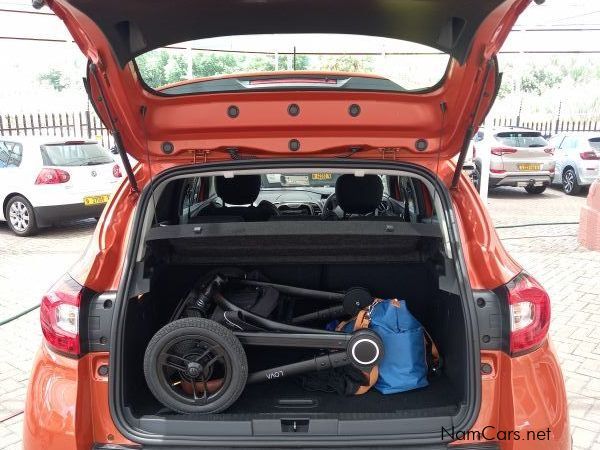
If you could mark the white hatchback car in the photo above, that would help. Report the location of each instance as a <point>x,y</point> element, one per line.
<point>44,181</point>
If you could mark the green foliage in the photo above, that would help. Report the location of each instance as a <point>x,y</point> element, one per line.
<point>160,67</point>
<point>539,79</point>
<point>55,78</point>
<point>346,63</point>
<point>211,64</point>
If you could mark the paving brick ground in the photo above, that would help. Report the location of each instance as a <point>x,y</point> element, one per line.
<point>551,253</point>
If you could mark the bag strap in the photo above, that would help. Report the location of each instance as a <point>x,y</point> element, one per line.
<point>436,362</point>
<point>371,378</point>
<point>361,321</point>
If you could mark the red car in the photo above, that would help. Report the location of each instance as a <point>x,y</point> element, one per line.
<point>370,199</point>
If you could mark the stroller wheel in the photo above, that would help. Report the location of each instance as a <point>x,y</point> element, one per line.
<point>195,365</point>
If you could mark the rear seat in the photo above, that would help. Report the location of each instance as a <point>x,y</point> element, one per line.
<point>239,193</point>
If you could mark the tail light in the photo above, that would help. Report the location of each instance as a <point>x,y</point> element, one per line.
<point>117,171</point>
<point>497,171</point>
<point>59,316</point>
<point>499,151</point>
<point>550,151</point>
<point>529,313</point>
<point>52,176</point>
<point>589,156</point>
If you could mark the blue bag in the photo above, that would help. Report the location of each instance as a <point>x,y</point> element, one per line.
<point>404,363</point>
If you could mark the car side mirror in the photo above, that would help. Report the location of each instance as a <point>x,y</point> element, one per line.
<point>114,150</point>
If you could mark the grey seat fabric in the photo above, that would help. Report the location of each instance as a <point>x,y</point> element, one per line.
<point>239,193</point>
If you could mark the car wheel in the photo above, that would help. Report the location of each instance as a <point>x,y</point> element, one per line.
<point>20,216</point>
<point>569,182</point>
<point>535,189</point>
<point>195,365</point>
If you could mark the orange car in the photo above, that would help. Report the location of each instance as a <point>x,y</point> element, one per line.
<point>328,164</point>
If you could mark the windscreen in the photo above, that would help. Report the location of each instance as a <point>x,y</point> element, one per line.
<point>75,154</point>
<point>313,179</point>
<point>521,139</point>
<point>367,62</point>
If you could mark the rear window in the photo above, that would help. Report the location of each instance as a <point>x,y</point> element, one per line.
<point>595,143</point>
<point>10,154</point>
<point>75,154</point>
<point>521,139</point>
<point>285,61</point>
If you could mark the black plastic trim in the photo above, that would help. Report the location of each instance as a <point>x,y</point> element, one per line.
<point>492,313</point>
<point>99,321</point>
<point>379,433</point>
<point>49,215</point>
<point>283,228</point>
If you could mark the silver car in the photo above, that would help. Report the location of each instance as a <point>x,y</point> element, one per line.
<point>518,157</point>
<point>577,157</point>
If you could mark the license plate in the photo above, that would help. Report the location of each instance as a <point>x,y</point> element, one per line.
<point>321,176</point>
<point>529,167</point>
<point>95,200</point>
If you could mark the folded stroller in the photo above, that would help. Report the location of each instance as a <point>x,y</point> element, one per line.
<point>197,362</point>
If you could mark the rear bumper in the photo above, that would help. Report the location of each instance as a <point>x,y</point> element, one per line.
<point>49,215</point>
<point>520,180</point>
<point>586,179</point>
<point>67,407</point>
<point>418,447</point>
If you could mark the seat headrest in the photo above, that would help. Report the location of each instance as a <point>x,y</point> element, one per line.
<point>358,195</point>
<point>239,190</point>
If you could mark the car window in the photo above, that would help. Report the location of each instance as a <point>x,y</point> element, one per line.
<point>556,141</point>
<point>569,143</point>
<point>315,179</point>
<point>248,62</point>
<point>192,198</point>
<point>521,139</point>
<point>11,154</point>
<point>75,154</point>
<point>595,143</point>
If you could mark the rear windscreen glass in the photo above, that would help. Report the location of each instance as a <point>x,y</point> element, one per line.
<point>595,143</point>
<point>75,155</point>
<point>292,61</point>
<point>521,139</point>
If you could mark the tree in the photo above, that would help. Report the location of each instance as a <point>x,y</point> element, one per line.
<point>160,67</point>
<point>211,64</point>
<point>346,63</point>
<point>538,79</point>
<point>55,78</point>
<point>176,69</point>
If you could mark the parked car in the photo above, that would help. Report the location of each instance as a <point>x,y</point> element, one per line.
<point>518,157</point>
<point>45,181</point>
<point>577,157</point>
<point>401,221</point>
